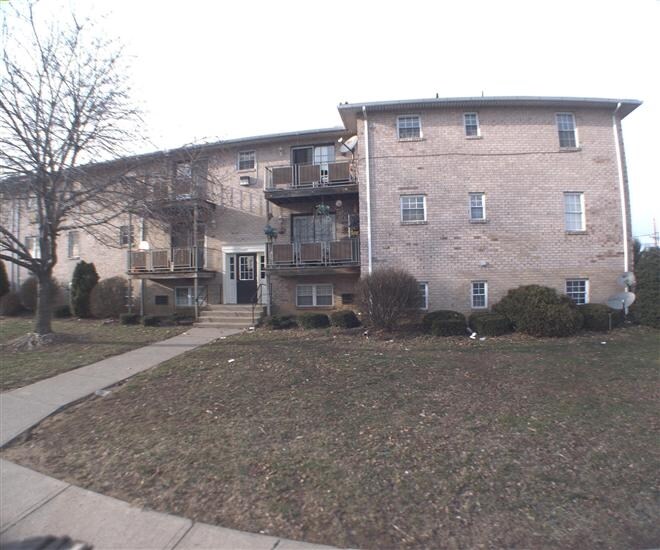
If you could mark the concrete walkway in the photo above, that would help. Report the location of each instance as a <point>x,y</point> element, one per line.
<point>34,505</point>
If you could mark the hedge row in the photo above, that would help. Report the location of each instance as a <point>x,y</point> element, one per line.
<point>341,319</point>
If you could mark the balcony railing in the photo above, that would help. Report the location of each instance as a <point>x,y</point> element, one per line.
<point>343,253</point>
<point>297,176</point>
<point>169,260</point>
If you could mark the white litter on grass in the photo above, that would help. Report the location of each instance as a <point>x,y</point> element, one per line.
<point>482,338</point>
<point>223,337</point>
<point>473,336</point>
<point>102,393</point>
<point>231,360</point>
<point>603,343</point>
<point>250,328</point>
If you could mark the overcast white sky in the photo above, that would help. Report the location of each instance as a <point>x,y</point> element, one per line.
<point>212,70</point>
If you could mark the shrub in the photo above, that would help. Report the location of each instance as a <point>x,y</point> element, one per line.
<point>129,318</point>
<point>62,311</point>
<point>344,319</point>
<point>647,289</point>
<point>449,327</point>
<point>489,324</point>
<point>108,298</point>
<point>10,304</point>
<point>388,295</point>
<point>313,320</point>
<point>440,315</point>
<point>281,322</point>
<point>597,317</point>
<point>4,280</point>
<point>151,320</point>
<point>83,281</point>
<point>540,311</point>
<point>29,293</point>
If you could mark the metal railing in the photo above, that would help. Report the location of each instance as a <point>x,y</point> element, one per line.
<point>177,259</point>
<point>296,176</point>
<point>345,252</point>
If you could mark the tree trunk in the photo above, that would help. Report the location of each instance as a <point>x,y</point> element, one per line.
<point>44,305</point>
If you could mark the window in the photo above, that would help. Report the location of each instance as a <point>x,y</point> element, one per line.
<point>161,299</point>
<point>73,244</point>
<point>184,296</point>
<point>479,294</point>
<point>32,244</point>
<point>566,129</point>
<point>232,267</point>
<point>313,295</point>
<point>262,266</point>
<point>471,123</point>
<point>477,206</point>
<point>246,268</point>
<point>183,170</point>
<point>577,290</point>
<point>413,208</point>
<point>247,160</point>
<point>409,127</point>
<point>574,211</point>
<point>423,295</point>
<point>125,235</point>
<point>313,229</point>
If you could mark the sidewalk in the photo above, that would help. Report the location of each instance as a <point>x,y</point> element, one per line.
<point>33,504</point>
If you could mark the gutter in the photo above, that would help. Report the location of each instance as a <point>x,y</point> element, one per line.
<point>368,176</point>
<point>622,193</point>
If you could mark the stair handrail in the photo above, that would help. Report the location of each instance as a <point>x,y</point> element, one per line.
<point>256,299</point>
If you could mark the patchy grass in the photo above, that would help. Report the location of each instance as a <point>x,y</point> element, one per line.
<point>83,342</point>
<point>413,443</point>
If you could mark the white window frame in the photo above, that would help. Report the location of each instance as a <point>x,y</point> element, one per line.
<point>401,209</point>
<point>424,291</point>
<point>125,235</point>
<point>254,160</point>
<point>558,124</point>
<point>32,244</point>
<point>70,245</point>
<point>183,170</point>
<point>483,206</point>
<point>581,212</point>
<point>399,128</point>
<point>571,294</point>
<point>465,125</point>
<point>473,295</point>
<point>314,288</point>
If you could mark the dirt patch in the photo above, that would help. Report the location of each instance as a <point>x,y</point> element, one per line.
<point>383,443</point>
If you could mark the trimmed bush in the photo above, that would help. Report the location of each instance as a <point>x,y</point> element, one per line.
<point>313,320</point>
<point>449,327</point>
<point>345,318</point>
<point>489,324</point>
<point>647,289</point>
<point>4,280</point>
<point>281,322</point>
<point>10,305</point>
<point>151,320</point>
<point>129,318</point>
<point>62,311</point>
<point>387,296</point>
<point>83,281</point>
<point>440,315</point>
<point>597,317</point>
<point>29,293</point>
<point>540,311</point>
<point>108,298</point>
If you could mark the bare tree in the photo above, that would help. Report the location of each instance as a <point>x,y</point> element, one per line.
<point>64,103</point>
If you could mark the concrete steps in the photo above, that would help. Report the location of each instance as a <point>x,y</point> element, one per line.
<point>231,316</point>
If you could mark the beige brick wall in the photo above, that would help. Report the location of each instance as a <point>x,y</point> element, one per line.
<point>517,163</point>
<point>284,292</point>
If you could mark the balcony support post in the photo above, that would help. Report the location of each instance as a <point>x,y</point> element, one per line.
<point>195,266</point>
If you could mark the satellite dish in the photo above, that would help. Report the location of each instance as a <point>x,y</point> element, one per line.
<point>349,145</point>
<point>626,279</point>
<point>622,300</point>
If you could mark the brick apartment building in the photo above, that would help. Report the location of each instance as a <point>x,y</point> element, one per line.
<point>473,196</point>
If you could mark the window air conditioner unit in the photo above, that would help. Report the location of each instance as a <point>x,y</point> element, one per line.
<point>246,180</point>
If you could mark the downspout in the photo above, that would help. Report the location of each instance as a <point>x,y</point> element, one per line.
<point>622,193</point>
<point>368,176</point>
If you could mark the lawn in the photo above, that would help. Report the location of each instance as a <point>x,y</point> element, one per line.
<point>83,342</point>
<point>369,443</point>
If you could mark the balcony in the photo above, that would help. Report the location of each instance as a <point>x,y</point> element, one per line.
<point>174,263</point>
<point>299,181</point>
<point>314,258</point>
